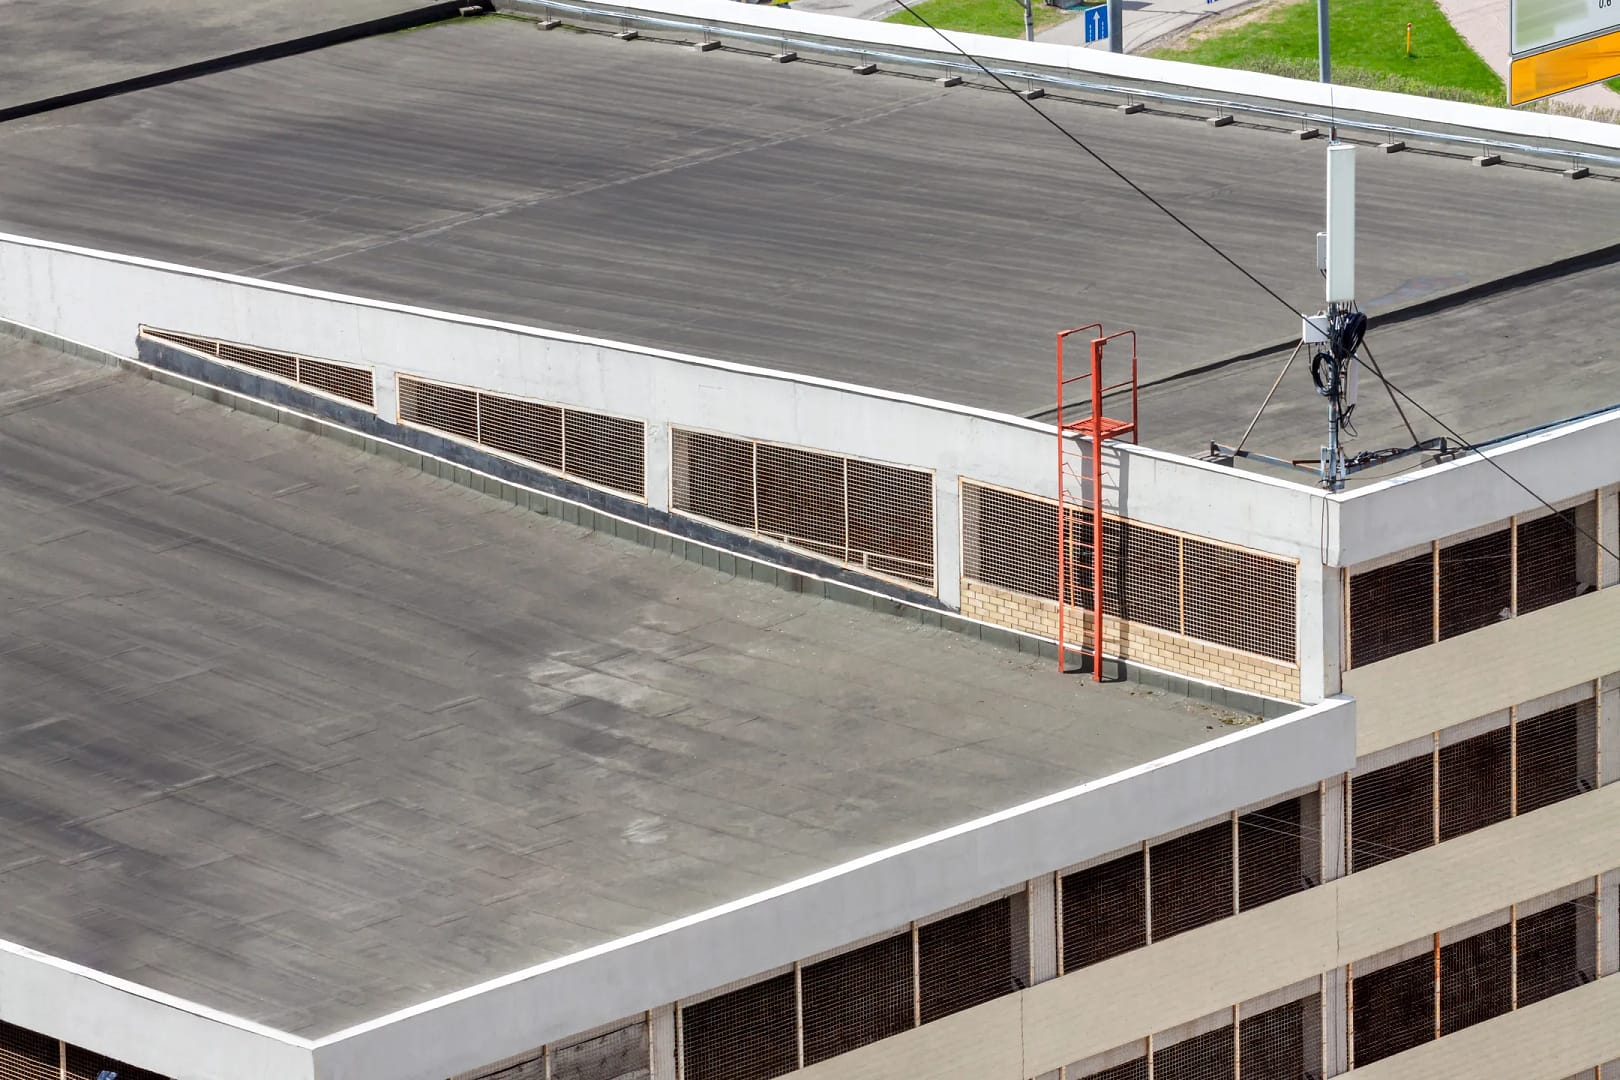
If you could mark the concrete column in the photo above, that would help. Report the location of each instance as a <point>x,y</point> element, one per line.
<point>1609,531</point>
<point>385,393</point>
<point>661,1028</point>
<point>1043,916</point>
<point>1608,725</point>
<point>657,465</point>
<point>1335,1024</point>
<point>948,539</point>
<point>1331,821</point>
<point>1319,622</point>
<point>1609,925</point>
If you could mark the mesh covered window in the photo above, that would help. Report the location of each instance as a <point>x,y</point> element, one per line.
<point>1273,852</point>
<point>1191,880</point>
<point>1125,1070</point>
<point>523,429</point>
<point>1240,599</point>
<point>620,1054</point>
<point>1009,540</point>
<point>1394,1008</point>
<point>1104,911</point>
<point>1476,978</point>
<point>965,959</point>
<point>341,380</point>
<point>856,998</point>
<point>1549,764</point>
<point>1550,960</point>
<point>527,1066</point>
<point>85,1064</point>
<point>28,1055</point>
<point>1476,783</point>
<point>866,515</point>
<point>1548,570</point>
<point>1476,583</point>
<point>1203,1057</point>
<point>1391,610</point>
<point>747,1034</point>
<point>1391,812</point>
<point>606,450</point>
<point>450,409</point>
<point>1274,1045</point>
<point>713,478</point>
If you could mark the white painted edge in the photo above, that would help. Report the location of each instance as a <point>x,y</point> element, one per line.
<point>1328,97</point>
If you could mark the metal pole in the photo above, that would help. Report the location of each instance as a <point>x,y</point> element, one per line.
<point>1116,26</point>
<point>1323,60</point>
<point>1029,20</point>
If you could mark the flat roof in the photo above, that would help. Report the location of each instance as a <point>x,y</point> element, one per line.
<point>307,736</point>
<point>1495,367</point>
<point>882,230</point>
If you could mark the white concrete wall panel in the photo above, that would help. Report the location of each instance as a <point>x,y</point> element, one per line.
<point>1507,663</point>
<point>141,1026</point>
<point>982,1043</point>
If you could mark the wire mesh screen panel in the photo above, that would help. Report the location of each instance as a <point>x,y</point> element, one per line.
<point>1009,540</point>
<point>1476,978</point>
<point>1203,1057</point>
<point>965,959</point>
<point>28,1055</point>
<point>530,1065</point>
<point>891,520</point>
<point>1136,1069</point>
<point>1240,599</point>
<point>866,515</point>
<point>1549,764</point>
<point>1273,851</point>
<point>341,380</point>
<point>1476,583</point>
<point>606,450</point>
<point>856,998</point>
<point>1391,812</point>
<point>802,499</point>
<point>713,477</point>
<point>1548,571</point>
<point>1476,783</point>
<point>1391,610</point>
<point>1550,960</point>
<point>85,1064</point>
<point>275,363</point>
<point>1273,1045</point>
<point>1104,911</point>
<point>1149,570</point>
<point>525,429</point>
<point>450,409</point>
<point>747,1034</point>
<point>1394,1008</point>
<point>1191,881</point>
<point>621,1054</point>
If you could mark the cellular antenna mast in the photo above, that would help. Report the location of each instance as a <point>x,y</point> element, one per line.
<point>1334,337</point>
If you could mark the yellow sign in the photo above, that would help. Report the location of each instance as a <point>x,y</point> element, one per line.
<point>1564,68</point>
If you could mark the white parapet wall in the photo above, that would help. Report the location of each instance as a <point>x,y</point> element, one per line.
<point>100,299</point>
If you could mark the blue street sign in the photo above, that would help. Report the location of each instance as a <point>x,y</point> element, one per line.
<point>1096,24</point>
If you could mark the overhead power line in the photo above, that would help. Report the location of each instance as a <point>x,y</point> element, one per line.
<point>1244,271</point>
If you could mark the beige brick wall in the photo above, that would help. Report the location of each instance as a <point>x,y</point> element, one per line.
<point>1132,641</point>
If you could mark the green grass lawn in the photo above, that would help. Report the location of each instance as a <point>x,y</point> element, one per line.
<point>1369,48</point>
<point>1002,18</point>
